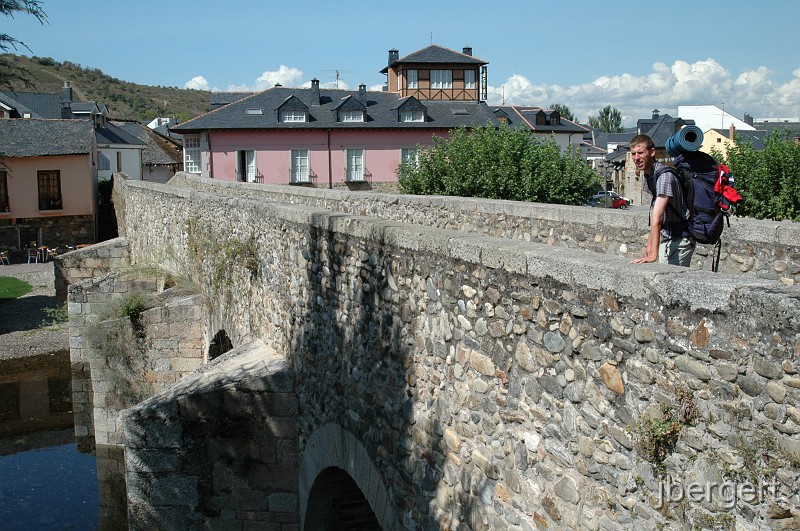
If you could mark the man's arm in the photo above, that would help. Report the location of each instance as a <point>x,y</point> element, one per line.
<point>654,237</point>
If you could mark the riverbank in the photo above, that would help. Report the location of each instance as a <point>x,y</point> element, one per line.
<point>27,326</point>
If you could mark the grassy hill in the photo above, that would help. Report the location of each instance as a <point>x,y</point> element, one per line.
<point>125,101</point>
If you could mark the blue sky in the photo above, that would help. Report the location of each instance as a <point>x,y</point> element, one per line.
<point>635,56</point>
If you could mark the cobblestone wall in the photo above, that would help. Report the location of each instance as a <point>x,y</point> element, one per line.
<point>495,383</point>
<point>766,249</point>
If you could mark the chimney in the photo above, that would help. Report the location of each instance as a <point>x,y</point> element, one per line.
<point>362,93</point>
<point>66,95</point>
<point>732,133</point>
<point>394,55</point>
<point>655,113</point>
<point>467,50</point>
<point>315,91</point>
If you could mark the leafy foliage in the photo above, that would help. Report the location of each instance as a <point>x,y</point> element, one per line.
<point>767,179</point>
<point>563,111</point>
<point>8,71</point>
<point>498,164</point>
<point>608,121</point>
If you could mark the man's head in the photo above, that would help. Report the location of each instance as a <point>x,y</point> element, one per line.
<point>643,151</point>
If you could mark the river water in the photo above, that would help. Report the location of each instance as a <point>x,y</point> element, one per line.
<point>48,479</point>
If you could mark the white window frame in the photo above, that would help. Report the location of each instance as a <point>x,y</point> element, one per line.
<point>192,155</point>
<point>299,164</point>
<point>412,116</point>
<point>293,117</point>
<point>409,156</point>
<point>412,79</point>
<point>103,162</point>
<point>469,79</point>
<point>354,164</point>
<point>351,116</point>
<point>441,79</point>
<point>250,169</point>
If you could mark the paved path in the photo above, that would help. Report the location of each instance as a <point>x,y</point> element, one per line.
<point>26,329</point>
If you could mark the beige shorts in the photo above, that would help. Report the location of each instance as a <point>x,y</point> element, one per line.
<point>676,252</point>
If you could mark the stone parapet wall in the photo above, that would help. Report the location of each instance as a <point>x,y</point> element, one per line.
<point>88,263</point>
<point>496,383</point>
<point>767,249</point>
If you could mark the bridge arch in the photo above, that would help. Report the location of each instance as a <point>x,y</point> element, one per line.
<point>332,453</point>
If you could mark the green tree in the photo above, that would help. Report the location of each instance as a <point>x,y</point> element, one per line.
<point>499,164</point>
<point>563,111</point>
<point>609,120</point>
<point>8,71</point>
<point>768,178</point>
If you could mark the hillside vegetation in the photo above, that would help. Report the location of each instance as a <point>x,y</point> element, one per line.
<point>125,101</point>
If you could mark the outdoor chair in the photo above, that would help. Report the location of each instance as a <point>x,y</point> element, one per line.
<point>33,254</point>
<point>4,258</point>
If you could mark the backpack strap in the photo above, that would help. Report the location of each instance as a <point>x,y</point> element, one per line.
<point>662,170</point>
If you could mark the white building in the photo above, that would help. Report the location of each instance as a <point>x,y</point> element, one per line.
<point>708,117</point>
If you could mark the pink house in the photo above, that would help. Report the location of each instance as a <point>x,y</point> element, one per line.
<point>48,182</point>
<point>339,138</point>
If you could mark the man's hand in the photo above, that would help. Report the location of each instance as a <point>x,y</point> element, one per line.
<point>654,237</point>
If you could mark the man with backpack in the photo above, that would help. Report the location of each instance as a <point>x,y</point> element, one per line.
<point>669,240</point>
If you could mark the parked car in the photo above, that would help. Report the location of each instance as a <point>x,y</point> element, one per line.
<point>609,199</point>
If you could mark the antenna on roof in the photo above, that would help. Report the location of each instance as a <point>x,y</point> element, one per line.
<point>338,75</point>
<point>431,37</point>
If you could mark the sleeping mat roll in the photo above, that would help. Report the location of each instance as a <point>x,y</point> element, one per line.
<point>688,139</point>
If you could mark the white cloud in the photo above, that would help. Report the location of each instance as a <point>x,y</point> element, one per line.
<point>704,82</point>
<point>197,83</point>
<point>285,75</point>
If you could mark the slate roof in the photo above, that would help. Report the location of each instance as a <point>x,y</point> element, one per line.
<point>661,127</point>
<point>111,134</point>
<point>381,112</point>
<point>37,138</point>
<point>164,132</point>
<point>47,105</point>
<point>755,137</point>
<point>157,151</point>
<point>519,116</point>
<point>38,105</point>
<point>792,127</point>
<point>221,99</point>
<point>436,54</point>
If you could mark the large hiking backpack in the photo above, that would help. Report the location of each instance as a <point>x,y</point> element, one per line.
<point>709,195</point>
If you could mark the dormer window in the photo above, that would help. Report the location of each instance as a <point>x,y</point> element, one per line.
<point>412,116</point>
<point>293,116</point>
<point>351,116</point>
<point>292,110</point>
<point>410,110</point>
<point>442,79</point>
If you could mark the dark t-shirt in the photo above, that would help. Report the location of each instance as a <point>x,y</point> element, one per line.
<point>673,223</point>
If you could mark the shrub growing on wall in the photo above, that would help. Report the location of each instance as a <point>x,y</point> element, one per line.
<point>499,164</point>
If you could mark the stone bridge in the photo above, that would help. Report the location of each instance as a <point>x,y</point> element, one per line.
<point>288,358</point>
